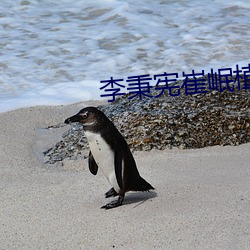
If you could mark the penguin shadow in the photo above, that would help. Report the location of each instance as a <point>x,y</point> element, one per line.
<point>138,198</point>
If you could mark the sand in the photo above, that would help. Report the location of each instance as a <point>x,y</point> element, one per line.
<point>201,200</point>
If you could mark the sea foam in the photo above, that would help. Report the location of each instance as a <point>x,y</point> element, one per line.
<point>58,52</point>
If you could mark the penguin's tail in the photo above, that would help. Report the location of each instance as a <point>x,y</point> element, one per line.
<point>141,185</point>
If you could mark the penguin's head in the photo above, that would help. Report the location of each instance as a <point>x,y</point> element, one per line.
<point>88,117</point>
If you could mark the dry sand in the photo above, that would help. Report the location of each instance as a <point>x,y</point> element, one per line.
<point>201,201</point>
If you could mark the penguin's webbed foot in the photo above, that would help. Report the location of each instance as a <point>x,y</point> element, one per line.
<point>111,193</point>
<point>113,204</point>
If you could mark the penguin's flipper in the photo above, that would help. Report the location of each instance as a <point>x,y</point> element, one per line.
<point>118,166</point>
<point>111,193</point>
<point>115,203</point>
<point>93,167</point>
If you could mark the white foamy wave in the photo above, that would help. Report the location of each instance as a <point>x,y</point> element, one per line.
<point>51,50</point>
<point>56,94</point>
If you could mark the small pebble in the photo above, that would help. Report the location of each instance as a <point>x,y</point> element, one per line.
<point>184,121</point>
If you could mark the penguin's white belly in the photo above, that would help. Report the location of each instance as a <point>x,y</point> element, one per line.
<point>104,157</point>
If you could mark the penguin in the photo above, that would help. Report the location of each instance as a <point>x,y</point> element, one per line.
<point>110,152</point>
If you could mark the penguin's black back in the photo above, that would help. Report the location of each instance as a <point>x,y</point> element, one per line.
<point>132,180</point>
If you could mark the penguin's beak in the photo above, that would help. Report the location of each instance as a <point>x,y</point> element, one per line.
<point>74,118</point>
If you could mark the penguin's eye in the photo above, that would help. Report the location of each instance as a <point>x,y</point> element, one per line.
<point>84,115</point>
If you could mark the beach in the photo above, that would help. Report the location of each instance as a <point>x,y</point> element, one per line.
<point>192,145</point>
<point>201,198</point>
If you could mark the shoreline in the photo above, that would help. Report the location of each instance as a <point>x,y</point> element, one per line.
<point>183,121</point>
<point>201,197</point>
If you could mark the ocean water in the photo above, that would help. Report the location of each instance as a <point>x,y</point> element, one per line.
<point>57,52</point>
